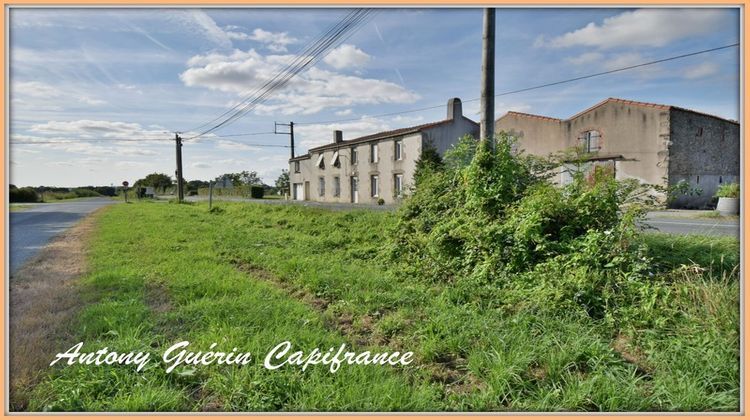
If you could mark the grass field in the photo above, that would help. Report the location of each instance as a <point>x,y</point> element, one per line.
<point>251,276</point>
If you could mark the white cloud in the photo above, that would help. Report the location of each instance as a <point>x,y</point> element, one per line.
<point>701,70</point>
<point>29,93</point>
<point>586,59</point>
<point>345,56</point>
<point>234,146</point>
<point>274,41</point>
<point>99,129</point>
<point>202,165</point>
<point>205,26</point>
<point>642,27</point>
<point>344,112</point>
<point>308,93</point>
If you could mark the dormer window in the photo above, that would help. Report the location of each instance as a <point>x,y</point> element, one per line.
<point>321,162</point>
<point>590,141</point>
<point>335,162</point>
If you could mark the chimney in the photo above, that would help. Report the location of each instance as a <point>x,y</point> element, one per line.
<point>338,136</point>
<point>454,109</point>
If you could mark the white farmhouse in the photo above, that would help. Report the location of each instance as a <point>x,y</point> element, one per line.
<point>373,167</point>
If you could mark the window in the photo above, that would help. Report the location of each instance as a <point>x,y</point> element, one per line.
<point>336,186</point>
<point>321,162</point>
<point>322,186</point>
<point>374,153</point>
<point>398,185</point>
<point>374,187</point>
<point>355,158</point>
<point>398,149</point>
<point>296,167</point>
<point>589,141</point>
<point>335,160</point>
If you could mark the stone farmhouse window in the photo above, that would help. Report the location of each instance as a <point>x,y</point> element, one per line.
<point>355,158</point>
<point>374,186</point>
<point>321,162</point>
<point>336,186</point>
<point>590,141</point>
<point>322,186</point>
<point>374,153</point>
<point>296,167</point>
<point>398,185</point>
<point>398,150</point>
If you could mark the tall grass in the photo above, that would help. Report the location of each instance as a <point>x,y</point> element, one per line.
<point>250,276</point>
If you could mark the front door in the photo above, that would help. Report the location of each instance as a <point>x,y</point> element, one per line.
<point>299,193</point>
<point>355,189</point>
<point>307,191</point>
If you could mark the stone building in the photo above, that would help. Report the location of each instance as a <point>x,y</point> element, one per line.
<point>373,167</point>
<point>656,144</point>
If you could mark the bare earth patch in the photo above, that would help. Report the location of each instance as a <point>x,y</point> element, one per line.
<point>44,298</point>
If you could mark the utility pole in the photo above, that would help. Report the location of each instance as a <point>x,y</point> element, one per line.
<point>178,146</point>
<point>291,133</point>
<point>487,117</point>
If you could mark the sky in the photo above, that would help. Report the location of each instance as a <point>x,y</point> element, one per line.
<point>96,94</point>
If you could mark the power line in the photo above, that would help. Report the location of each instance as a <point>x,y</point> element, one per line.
<point>351,23</point>
<point>302,52</point>
<point>241,134</point>
<point>526,89</point>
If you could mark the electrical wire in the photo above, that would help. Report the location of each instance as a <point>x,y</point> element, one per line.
<point>349,25</point>
<point>526,89</point>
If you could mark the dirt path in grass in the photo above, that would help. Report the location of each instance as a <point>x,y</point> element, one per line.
<point>44,299</point>
<point>450,372</point>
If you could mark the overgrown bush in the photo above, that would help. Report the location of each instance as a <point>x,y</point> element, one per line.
<point>493,217</point>
<point>22,195</point>
<point>256,191</point>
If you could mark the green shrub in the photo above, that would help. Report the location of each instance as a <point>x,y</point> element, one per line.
<point>22,195</point>
<point>728,191</point>
<point>491,217</point>
<point>256,191</point>
<point>85,192</point>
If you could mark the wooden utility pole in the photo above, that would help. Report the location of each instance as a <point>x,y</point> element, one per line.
<point>178,145</point>
<point>487,117</point>
<point>291,133</point>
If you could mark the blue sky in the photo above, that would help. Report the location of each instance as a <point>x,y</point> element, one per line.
<point>80,77</point>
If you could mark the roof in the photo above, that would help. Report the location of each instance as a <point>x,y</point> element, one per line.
<point>624,102</point>
<point>541,117</point>
<point>384,135</point>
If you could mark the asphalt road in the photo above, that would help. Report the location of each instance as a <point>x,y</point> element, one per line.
<point>31,229</point>
<point>684,225</point>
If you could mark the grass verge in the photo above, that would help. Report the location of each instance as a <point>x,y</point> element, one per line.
<point>252,275</point>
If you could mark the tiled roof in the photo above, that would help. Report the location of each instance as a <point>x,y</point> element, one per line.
<point>541,117</point>
<point>625,102</point>
<point>385,134</point>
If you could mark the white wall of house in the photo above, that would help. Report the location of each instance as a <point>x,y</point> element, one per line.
<point>388,168</point>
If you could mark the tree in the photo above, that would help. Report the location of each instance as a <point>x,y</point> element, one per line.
<point>196,184</point>
<point>250,178</point>
<point>242,178</point>
<point>282,182</point>
<point>429,161</point>
<point>156,180</point>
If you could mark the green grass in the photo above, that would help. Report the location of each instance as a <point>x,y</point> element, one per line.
<point>19,207</point>
<point>250,276</point>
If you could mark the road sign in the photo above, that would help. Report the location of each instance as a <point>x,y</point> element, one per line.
<point>125,183</point>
